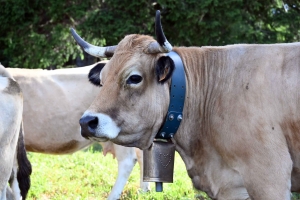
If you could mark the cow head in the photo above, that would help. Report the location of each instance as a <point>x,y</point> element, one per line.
<point>134,96</point>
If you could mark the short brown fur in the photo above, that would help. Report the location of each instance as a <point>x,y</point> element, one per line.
<point>235,138</point>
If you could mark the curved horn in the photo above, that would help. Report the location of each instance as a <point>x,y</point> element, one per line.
<point>91,49</point>
<point>161,38</point>
<point>162,45</point>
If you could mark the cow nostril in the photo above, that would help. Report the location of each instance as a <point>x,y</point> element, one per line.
<point>93,123</point>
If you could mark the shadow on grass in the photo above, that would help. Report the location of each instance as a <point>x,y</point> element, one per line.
<point>96,147</point>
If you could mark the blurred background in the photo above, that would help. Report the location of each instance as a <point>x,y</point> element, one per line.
<point>35,34</point>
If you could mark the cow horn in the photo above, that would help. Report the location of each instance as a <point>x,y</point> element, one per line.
<point>162,45</point>
<point>91,49</point>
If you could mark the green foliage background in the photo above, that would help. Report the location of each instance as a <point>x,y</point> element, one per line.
<point>35,34</point>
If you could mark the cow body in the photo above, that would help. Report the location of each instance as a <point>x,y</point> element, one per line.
<point>239,137</point>
<point>53,104</point>
<point>243,107</point>
<point>15,168</point>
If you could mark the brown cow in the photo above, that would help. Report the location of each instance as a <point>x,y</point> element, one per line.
<point>240,132</point>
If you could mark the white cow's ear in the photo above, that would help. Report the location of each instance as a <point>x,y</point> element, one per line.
<point>164,69</point>
<point>94,74</point>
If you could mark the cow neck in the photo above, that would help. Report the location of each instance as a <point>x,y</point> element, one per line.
<point>177,96</point>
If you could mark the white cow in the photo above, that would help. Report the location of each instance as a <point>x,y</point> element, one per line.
<point>15,168</point>
<point>53,103</point>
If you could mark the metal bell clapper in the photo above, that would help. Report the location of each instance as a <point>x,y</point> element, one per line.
<point>159,163</point>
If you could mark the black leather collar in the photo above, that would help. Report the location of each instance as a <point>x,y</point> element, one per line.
<point>177,96</point>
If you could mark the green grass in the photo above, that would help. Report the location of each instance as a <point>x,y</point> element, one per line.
<point>89,175</point>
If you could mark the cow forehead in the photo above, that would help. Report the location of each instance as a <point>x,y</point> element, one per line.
<point>140,64</point>
<point>130,55</point>
<point>134,42</point>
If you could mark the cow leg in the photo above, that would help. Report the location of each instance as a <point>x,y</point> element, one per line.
<point>145,186</point>
<point>126,158</point>
<point>266,169</point>
<point>10,195</point>
<point>14,184</point>
<point>4,193</point>
<point>272,183</point>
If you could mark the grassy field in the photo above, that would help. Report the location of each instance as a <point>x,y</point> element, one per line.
<point>89,175</point>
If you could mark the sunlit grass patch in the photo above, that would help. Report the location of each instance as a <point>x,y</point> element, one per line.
<point>89,175</point>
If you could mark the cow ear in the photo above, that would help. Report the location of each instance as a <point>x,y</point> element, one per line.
<point>164,69</point>
<point>94,74</point>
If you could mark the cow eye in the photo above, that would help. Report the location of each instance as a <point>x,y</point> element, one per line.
<point>134,79</point>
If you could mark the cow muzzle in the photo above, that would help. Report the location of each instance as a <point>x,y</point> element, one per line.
<point>98,127</point>
<point>89,126</point>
